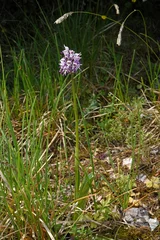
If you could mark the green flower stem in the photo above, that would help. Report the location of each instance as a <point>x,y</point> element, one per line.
<point>77,174</point>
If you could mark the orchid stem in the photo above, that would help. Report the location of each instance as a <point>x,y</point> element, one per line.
<point>77,174</point>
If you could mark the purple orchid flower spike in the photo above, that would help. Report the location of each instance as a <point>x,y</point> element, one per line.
<point>70,62</point>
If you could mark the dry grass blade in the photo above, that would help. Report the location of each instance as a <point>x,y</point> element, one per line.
<point>5,180</point>
<point>47,229</point>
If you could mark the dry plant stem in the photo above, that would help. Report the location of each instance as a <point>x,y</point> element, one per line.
<point>77,175</point>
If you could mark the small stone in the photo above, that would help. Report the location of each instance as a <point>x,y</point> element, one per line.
<point>127,162</point>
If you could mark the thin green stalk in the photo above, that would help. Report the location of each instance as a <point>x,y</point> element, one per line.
<point>77,175</point>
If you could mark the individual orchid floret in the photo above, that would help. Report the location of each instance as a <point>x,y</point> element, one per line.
<point>70,62</point>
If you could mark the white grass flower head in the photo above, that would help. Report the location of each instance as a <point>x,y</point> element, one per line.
<point>117,8</point>
<point>64,17</point>
<point>119,39</point>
